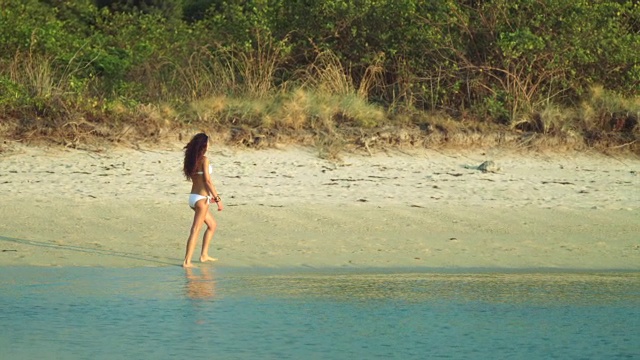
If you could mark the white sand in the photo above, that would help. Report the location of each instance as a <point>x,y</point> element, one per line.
<point>289,208</point>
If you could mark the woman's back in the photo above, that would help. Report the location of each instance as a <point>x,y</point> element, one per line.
<point>199,178</point>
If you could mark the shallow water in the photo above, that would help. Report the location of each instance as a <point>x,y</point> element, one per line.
<point>170,313</point>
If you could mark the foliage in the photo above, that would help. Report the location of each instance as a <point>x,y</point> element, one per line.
<point>495,61</point>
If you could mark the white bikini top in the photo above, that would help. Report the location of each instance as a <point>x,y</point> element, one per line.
<point>210,170</point>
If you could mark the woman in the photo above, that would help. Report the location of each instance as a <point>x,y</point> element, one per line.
<point>198,170</point>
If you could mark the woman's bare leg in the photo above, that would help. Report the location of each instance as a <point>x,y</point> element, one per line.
<point>201,211</point>
<point>206,239</point>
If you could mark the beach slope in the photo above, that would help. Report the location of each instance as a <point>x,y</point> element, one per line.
<point>289,208</point>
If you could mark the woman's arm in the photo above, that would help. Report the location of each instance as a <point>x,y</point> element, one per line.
<point>208,183</point>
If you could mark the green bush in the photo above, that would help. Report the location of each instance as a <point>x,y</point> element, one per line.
<point>496,61</point>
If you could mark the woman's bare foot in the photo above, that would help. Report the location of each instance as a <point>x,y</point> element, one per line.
<point>206,258</point>
<point>187,265</point>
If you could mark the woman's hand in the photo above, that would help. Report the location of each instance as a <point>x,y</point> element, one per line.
<point>220,206</point>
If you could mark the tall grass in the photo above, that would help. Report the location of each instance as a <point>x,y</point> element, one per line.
<point>232,93</point>
<point>44,97</point>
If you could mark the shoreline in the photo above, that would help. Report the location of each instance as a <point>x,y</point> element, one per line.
<point>291,236</point>
<point>289,209</point>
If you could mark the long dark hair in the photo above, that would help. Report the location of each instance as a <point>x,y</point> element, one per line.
<point>193,154</point>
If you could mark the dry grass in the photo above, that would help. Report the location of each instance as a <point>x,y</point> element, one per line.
<point>326,109</point>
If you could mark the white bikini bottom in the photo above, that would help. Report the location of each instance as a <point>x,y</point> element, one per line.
<point>194,198</point>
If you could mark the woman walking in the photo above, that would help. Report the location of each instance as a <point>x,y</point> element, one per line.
<point>198,169</point>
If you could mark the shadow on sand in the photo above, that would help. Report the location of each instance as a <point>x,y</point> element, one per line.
<point>44,244</point>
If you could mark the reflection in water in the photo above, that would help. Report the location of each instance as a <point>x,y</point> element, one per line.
<point>200,283</point>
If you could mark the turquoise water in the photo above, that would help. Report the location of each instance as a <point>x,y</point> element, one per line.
<point>169,313</point>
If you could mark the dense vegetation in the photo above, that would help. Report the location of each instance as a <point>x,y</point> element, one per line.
<point>330,73</point>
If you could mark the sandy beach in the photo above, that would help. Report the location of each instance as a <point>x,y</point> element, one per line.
<point>289,208</point>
